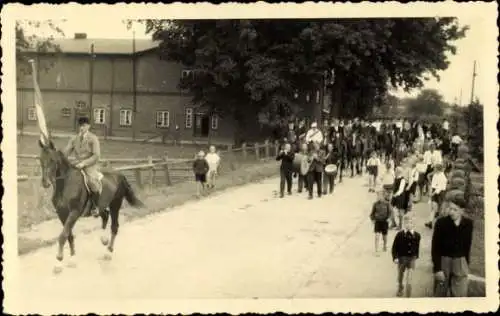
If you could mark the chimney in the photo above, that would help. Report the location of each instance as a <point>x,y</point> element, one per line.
<point>80,36</point>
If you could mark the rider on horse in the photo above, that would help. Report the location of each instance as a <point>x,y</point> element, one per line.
<point>86,147</point>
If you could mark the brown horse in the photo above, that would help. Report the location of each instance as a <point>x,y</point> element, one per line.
<point>71,197</point>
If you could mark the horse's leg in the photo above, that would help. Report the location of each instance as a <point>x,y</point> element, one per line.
<point>114,212</point>
<point>105,218</point>
<point>64,235</point>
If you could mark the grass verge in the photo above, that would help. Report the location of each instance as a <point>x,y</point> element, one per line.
<point>158,200</point>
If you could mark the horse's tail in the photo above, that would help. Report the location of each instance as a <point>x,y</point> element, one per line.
<point>130,196</point>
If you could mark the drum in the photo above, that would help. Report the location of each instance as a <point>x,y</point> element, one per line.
<point>330,169</point>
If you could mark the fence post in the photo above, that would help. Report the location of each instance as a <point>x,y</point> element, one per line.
<point>231,156</point>
<point>167,172</point>
<point>244,150</point>
<point>138,177</point>
<point>257,148</point>
<point>276,147</point>
<point>151,172</point>
<point>266,148</point>
<point>36,192</point>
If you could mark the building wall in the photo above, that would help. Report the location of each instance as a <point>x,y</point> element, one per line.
<point>65,82</point>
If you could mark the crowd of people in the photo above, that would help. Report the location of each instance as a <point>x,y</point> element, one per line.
<point>320,156</point>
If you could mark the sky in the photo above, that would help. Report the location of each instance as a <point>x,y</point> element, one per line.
<point>455,81</point>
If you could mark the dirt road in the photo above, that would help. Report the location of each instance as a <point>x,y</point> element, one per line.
<point>242,243</point>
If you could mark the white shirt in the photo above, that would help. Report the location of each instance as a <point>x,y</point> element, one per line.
<point>439,182</point>
<point>412,176</point>
<point>446,125</point>
<point>456,140</point>
<point>399,124</point>
<point>376,125</point>
<point>436,158</point>
<point>314,135</point>
<point>427,157</point>
<point>421,167</point>
<point>373,162</point>
<point>213,160</point>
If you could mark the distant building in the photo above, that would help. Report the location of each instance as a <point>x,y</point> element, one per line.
<point>74,84</point>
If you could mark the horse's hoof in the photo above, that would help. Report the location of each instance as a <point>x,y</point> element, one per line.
<point>57,268</point>
<point>107,256</point>
<point>71,262</point>
<point>104,240</point>
<point>59,258</point>
<point>110,249</point>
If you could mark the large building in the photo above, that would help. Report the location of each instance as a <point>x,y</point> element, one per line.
<point>124,88</point>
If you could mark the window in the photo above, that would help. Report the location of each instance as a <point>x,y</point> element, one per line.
<point>317,96</point>
<point>296,94</point>
<point>99,116</point>
<point>31,114</point>
<point>308,97</point>
<point>66,112</point>
<point>186,73</point>
<point>215,121</point>
<point>188,123</point>
<point>125,117</point>
<point>81,105</point>
<point>162,119</point>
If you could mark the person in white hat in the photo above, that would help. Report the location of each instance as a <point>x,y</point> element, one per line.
<point>314,134</point>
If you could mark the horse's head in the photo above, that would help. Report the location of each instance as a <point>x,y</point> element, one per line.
<point>49,161</point>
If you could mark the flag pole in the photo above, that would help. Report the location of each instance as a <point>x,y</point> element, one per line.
<point>38,101</point>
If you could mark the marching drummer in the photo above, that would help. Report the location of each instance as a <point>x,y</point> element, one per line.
<point>331,161</point>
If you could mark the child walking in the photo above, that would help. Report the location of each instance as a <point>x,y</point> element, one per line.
<point>200,169</point>
<point>438,187</point>
<point>381,212</point>
<point>213,160</point>
<point>405,251</point>
<point>400,196</point>
<point>372,166</point>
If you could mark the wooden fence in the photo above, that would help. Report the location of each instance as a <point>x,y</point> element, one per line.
<point>144,173</point>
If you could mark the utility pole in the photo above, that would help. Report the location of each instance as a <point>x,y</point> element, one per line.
<point>460,99</point>
<point>474,74</point>
<point>134,83</point>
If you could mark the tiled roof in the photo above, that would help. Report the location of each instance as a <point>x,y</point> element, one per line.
<point>103,46</point>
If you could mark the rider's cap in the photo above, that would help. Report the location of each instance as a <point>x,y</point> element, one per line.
<point>83,120</point>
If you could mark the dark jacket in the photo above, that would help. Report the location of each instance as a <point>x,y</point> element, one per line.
<point>200,166</point>
<point>381,211</point>
<point>286,161</point>
<point>332,157</point>
<point>449,240</point>
<point>317,165</point>
<point>406,244</point>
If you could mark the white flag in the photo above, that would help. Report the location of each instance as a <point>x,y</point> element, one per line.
<point>39,106</point>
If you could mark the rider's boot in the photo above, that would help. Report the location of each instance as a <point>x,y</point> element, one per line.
<point>95,204</point>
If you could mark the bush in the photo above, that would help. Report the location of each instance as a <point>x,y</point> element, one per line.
<point>451,194</point>
<point>458,173</point>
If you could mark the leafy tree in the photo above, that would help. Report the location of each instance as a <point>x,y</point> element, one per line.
<point>27,43</point>
<point>473,117</point>
<point>428,102</point>
<point>243,67</point>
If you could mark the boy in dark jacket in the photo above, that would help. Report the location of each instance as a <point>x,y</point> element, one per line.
<point>381,212</point>
<point>286,155</point>
<point>200,169</point>
<point>405,251</point>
